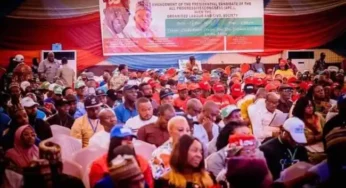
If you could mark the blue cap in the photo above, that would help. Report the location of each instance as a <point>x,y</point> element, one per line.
<point>120,132</point>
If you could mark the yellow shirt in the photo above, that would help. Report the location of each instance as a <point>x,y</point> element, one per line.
<point>82,129</point>
<point>285,73</point>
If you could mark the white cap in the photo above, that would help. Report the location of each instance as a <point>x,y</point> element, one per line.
<point>226,111</point>
<point>28,102</point>
<point>52,86</point>
<point>24,85</point>
<point>19,58</point>
<point>295,127</point>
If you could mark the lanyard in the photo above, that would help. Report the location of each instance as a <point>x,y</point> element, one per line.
<point>292,156</point>
<point>94,128</point>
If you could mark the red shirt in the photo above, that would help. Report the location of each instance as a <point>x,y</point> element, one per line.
<point>180,103</point>
<point>222,102</point>
<point>99,168</point>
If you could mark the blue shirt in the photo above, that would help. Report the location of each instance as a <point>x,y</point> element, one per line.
<point>40,114</point>
<point>80,110</point>
<point>104,88</point>
<point>4,122</point>
<point>123,114</point>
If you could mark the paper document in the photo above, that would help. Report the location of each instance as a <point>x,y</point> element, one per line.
<point>278,119</point>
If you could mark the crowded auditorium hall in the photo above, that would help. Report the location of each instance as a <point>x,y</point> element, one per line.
<point>173,94</point>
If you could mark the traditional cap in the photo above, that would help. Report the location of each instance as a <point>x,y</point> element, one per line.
<point>218,87</point>
<point>143,5</point>
<point>119,131</point>
<point>295,127</point>
<point>181,86</point>
<point>100,92</point>
<point>28,102</point>
<point>236,90</point>
<point>119,3</point>
<point>92,101</point>
<point>125,168</point>
<point>50,151</point>
<point>165,93</point>
<point>24,85</point>
<point>19,58</point>
<point>79,84</point>
<point>226,111</point>
<point>204,85</point>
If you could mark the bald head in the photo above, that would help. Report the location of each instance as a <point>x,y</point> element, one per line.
<point>107,118</point>
<point>193,107</point>
<point>272,101</point>
<point>50,56</point>
<point>211,111</point>
<point>177,127</point>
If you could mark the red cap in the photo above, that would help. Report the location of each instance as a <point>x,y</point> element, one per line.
<point>249,80</point>
<point>236,90</point>
<point>258,81</point>
<point>204,85</point>
<point>293,85</point>
<point>218,87</point>
<point>241,140</point>
<point>270,87</point>
<point>193,86</point>
<point>292,80</point>
<point>305,86</point>
<point>181,87</point>
<point>164,77</point>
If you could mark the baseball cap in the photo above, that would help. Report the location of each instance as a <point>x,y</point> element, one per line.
<point>119,131</point>
<point>193,86</point>
<point>295,127</point>
<point>58,90</point>
<point>128,87</point>
<point>165,93</point>
<point>249,88</point>
<point>112,94</point>
<point>79,84</point>
<point>19,58</point>
<point>13,84</point>
<point>226,111</point>
<point>269,87</point>
<point>205,85</point>
<point>24,85</point>
<point>52,87</point>
<point>249,80</point>
<point>100,92</point>
<point>285,86</point>
<point>181,87</point>
<point>92,101</point>
<point>28,102</point>
<point>60,102</point>
<point>236,90</point>
<point>218,87</point>
<point>44,86</point>
<point>71,98</point>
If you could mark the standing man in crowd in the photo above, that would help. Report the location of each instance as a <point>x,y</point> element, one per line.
<point>49,67</point>
<point>66,73</point>
<point>145,115</point>
<point>320,65</point>
<point>127,109</point>
<point>258,66</point>
<point>119,80</point>
<point>86,126</point>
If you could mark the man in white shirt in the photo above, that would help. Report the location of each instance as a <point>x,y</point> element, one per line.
<point>261,121</point>
<point>206,130</point>
<point>108,120</point>
<point>145,115</point>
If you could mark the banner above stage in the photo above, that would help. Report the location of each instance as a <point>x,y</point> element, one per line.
<point>137,27</point>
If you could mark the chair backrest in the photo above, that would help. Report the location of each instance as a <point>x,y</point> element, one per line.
<point>143,149</point>
<point>87,155</point>
<point>57,130</point>
<point>68,144</point>
<point>72,168</point>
